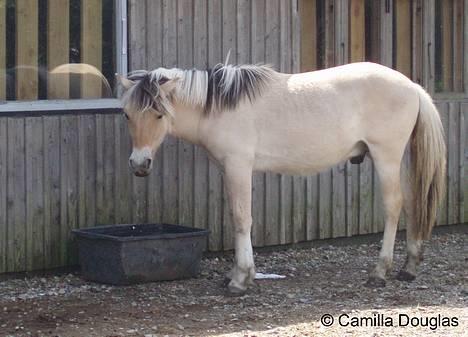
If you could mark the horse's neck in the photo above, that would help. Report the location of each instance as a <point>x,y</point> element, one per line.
<point>185,124</point>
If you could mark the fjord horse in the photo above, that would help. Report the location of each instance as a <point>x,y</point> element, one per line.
<point>252,118</point>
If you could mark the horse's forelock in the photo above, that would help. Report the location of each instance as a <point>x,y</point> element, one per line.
<point>143,95</point>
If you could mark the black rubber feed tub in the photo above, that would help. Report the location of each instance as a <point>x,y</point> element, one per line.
<point>129,254</point>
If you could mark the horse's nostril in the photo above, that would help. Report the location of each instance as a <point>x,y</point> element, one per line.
<point>131,163</point>
<point>147,163</point>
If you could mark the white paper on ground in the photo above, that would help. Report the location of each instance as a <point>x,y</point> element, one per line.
<point>261,276</point>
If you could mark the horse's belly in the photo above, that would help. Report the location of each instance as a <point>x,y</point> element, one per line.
<point>305,160</point>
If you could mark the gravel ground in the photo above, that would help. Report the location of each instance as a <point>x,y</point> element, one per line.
<point>320,280</point>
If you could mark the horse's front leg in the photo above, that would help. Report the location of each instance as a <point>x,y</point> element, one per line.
<point>238,183</point>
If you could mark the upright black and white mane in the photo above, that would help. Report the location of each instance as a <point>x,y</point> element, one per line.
<point>220,88</point>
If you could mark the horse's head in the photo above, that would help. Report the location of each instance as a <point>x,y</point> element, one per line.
<point>147,105</point>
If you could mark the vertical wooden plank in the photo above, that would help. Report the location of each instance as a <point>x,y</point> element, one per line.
<point>325,205</point>
<point>417,41</point>
<point>154,34</point>
<point>444,116</point>
<point>258,183</point>
<point>453,163</point>
<point>377,203</point>
<point>243,31</point>
<point>229,43</point>
<point>461,162</point>
<point>58,35</point>
<point>295,36</point>
<point>185,150</point>
<point>69,186</point>
<point>52,201</point>
<point>137,20</point>
<point>352,198</point>
<point>458,44</point>
<point>200,60</point>
<point>3,195</point>
<point>312,207</point>
<point>273,181</point>
<point>357,36</point>
<point>2,51</point>
<point>87,171</point>
<point>339,200</point>
<point>170,156</point>
<point>365,196</point>
<point>329,33</point>
<point>464,160</point>
<point>428,44</point>
<point>465,44</point>
<point>124,173</point>
<point>109,180</point>
<point>403,36</point>
<point>341,31</point>
<point>215,189</point>
<point>298,224</point>
<point>16,196</point>
<point>26,49</point>
<point>373,48</point>
<point>100,197</point>
<point>155,189</point>
<point>34,150</point>
<point>91,46</point>
<point>308,10</point>
<point>386,33</point>
<point>105,171</point>
<point>447,45</point>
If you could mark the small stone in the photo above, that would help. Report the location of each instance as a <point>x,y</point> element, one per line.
<point>62,291</point>
<point>180,327</point>
<point>131,331</point>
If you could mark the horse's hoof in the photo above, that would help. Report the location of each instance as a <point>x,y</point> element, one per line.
<point>406,276</point>
<point>375,282</point>
<point>226,281</point>
<point>234,291</point>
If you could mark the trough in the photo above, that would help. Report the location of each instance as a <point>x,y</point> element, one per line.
<point>135,253</point>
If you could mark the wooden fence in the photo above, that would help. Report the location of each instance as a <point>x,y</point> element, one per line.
<point>64,172</point>
<point>59,172</point>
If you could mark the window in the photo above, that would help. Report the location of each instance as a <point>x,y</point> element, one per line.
<point>449,45</point>
<point>60,49</point>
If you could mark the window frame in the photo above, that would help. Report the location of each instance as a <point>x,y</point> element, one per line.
<point>451,95</point>
<point>80,105</point>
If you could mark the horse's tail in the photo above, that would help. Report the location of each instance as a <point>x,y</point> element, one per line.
<point>428,165</point>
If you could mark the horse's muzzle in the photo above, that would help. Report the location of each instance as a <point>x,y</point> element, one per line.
<point>141,168</point>
<point>141,173</point>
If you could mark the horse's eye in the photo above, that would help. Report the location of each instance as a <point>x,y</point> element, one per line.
<point>160,116</point>
<point>126,116</point>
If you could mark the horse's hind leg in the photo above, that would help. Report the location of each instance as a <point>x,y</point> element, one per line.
<point>388,168</point>
<point>413,241</point>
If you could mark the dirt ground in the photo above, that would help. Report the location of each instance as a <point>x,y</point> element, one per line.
<point>320,279</point>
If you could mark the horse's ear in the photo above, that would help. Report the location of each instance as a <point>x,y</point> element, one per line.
<point>168,85</point>
<point>124,82</point>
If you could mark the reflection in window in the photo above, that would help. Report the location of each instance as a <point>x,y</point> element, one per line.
<point>449,45</point>
<point>56,49</point>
